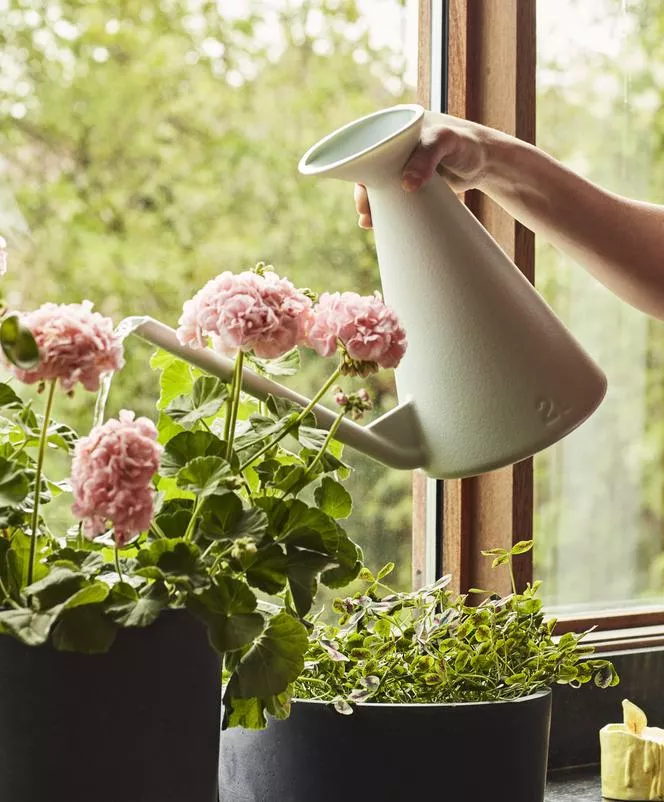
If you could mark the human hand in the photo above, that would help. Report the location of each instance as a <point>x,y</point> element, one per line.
<point>455,148</point>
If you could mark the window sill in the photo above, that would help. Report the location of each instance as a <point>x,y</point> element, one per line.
<point>575,785</point>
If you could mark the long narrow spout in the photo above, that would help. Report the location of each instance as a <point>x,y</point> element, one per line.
<point>394,439</point>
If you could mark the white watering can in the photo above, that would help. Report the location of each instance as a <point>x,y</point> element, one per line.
<point>491,376</point>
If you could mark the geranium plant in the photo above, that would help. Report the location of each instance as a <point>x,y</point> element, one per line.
<point>429,646</point>
<point>226,507</point>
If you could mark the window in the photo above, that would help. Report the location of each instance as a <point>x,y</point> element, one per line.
<point>148,146</point>
<point>599,494</point>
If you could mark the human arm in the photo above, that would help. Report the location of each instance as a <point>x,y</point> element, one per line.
<point>618,240</point>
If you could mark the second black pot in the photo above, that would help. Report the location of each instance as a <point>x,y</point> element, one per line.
<point>485,752</point>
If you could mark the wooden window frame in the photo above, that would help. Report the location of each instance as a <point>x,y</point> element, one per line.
<point>490,77</point>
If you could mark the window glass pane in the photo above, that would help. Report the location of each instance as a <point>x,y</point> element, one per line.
<point>600,493</point>
<point>147,146</point>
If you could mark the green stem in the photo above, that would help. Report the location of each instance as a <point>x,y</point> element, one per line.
<point>297,420</point>
<point>38,475</point>
<point>8,598</point>
<point>512,579</point>
<point>326,443</point>
<point>227,420</point>
<point>157,530</point>
<point>192,520</point>
<point>235,403</point>
<point>117,563</point>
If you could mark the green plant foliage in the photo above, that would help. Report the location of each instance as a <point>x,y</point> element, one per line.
<point>177,159</point>
<point>217,542</point>
<point>427,646</point>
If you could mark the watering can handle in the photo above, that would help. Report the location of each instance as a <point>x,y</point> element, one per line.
<point>393,439</point>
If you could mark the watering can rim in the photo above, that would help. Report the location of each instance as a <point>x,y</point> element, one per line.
<point>307,169</point>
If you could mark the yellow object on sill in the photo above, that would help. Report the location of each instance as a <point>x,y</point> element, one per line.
<point>632,758</point>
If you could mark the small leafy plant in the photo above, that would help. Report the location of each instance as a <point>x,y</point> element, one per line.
<point>428,647</point>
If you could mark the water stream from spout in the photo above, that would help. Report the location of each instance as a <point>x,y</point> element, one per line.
<point>124,328</point>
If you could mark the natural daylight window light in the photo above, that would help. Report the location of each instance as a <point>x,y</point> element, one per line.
<point>146,147</point>
<point>600,493</point>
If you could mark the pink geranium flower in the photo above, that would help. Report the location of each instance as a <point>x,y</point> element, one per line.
<point>75,345</point>
<point>112,474</point>
<point>365,326</point>
<point>260,313</point>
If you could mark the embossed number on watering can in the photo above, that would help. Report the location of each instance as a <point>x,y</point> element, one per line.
<point>550,411</point>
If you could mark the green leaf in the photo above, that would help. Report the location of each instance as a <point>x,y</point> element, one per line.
<point>8,397</point>
<point>18,344</point>
<point>219,516</point>
<point>138,611</point>
<point>304,568</point>
<point>501,560</point>
<point>274,661</point>
<point>28,626</point>
<point>173,557</point>
<point>90,594</point>
<point>84,629</point>
<point>177,377</point>
<point>246,713</point>
<point>333,498</point>
<point>185,447</point>
<point>56,587</point>
<point>227,595</point>
<point>286,365</point>
<point>204,401</point>
<point>230,632</point>
<point>266,569</point>
<point>521,547</point>
<point>204,476</point>
<point>223,517</point>
<point>14,483</point>
<point>386,570</point>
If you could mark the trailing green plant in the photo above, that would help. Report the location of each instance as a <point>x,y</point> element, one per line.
<point>428,646</point>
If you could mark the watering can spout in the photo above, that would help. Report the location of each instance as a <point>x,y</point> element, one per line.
<point>491,374</point>
<point>394,439</point>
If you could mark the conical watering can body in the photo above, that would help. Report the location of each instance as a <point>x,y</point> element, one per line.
<point>491,374</point>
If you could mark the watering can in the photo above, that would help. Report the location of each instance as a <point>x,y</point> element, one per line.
<point>491,375</point>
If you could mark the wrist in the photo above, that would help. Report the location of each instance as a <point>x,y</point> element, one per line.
<point>504,161</point>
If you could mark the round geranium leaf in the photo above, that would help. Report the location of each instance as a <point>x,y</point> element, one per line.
<point>18,344</point>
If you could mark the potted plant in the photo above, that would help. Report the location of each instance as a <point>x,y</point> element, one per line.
<point>193,547</point>
<point>414,696</point>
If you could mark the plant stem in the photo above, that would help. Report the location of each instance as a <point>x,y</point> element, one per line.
<point>157,530</point>
<point>227,420</point>
<point>326,443</point>
<point>38,474</point>
<point>117,563</point>
<point>512,579</point>
<point>192,520</point>
<point>297,420</point>
<point>235,403</point>
<point>8,598</point>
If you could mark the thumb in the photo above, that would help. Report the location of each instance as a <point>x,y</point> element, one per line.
<point>436,144</point>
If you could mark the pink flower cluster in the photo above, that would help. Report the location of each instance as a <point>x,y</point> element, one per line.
<point>258,312</point>
<point>112,474</point>
<point>368,329</point>
<point>75,345</point>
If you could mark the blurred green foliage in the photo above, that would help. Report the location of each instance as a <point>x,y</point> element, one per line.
<point>599,527</point>
<point>149,146</point>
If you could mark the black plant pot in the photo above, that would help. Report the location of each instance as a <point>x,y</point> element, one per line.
<point>485,752</point>
<point>138,724</point>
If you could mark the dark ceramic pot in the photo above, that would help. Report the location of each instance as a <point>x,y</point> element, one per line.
<point>485,752</point>
<point>138,724</point>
